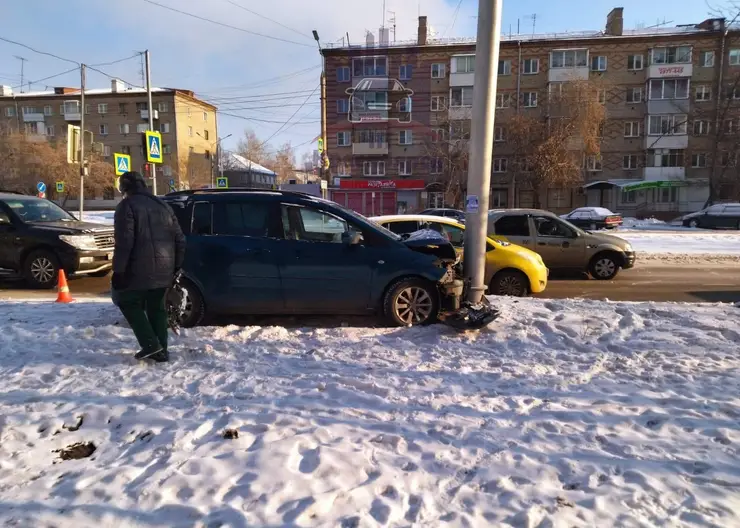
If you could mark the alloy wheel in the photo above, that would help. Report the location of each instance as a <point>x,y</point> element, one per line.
<point>510,285</point>
<point>42,270</point>
<point>413,305</point>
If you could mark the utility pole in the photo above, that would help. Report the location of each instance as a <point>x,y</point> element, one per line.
<point>323,154</point>
<point>152,166</point>
<point>23,62</point>
<point>481,146</point>
<point>81,196</point>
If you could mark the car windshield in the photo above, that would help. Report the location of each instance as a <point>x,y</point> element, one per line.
<point>362,220</point>
<point>35,210</point>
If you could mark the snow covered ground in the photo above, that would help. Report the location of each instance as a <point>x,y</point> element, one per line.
<point>562,413</point>
<point>98,217</point>
<point>696,242</point>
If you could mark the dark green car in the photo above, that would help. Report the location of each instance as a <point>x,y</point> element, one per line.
<point>274,252</point>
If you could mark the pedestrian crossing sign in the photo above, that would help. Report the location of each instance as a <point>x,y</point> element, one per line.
<point>122,163</point>
<point>222,183</point>
<point>60,187</point>
<point>153,147</point>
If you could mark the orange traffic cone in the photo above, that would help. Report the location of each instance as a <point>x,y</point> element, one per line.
<point>64,295</point>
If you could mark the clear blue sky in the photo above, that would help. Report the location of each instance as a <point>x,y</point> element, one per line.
<point>239,70</point>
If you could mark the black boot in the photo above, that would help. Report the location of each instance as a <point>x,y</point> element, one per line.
<point>161,357</point>
<point>149,353</point>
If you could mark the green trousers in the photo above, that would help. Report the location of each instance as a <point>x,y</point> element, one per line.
<point>146,314</point>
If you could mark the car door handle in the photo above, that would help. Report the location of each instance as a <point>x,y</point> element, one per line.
<point>541,243</point>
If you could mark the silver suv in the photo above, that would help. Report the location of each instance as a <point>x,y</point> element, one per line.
<point>562,245</point>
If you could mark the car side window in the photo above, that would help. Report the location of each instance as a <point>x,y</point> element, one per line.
<point>454,234</point>
<point>312,225</point>
<point>551,227</point>
<point>517,225</point>
<point>242,219</point>
<point>4,218</point>
<point>402,228</point>
<point>202,222</point>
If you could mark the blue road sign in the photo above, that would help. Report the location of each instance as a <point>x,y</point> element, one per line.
<point>154,147</point>
<point>41,187</point>
<point>222,183</point>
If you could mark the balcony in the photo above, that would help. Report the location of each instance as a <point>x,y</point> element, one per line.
<point>668,106</point>
<point>461,79</point>
<point>665,173</point>
<point>33,117</point>
<point>145,114</point>
<point>370,149</point>
<point>669,71</point>
<point>460,113</point>
<point>679,141</point>
<point>576,73</point>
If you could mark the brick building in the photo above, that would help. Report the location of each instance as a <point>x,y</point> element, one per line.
<point>116,117</point>
<point>666,96</point>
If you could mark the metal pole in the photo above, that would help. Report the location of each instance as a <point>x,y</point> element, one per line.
<point>81,196</point>
<point>481,146</point>
<point>152,168</point>
<point>323,120</point>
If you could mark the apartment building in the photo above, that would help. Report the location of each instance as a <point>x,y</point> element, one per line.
<point>667,92</point>
<point>117,117</point>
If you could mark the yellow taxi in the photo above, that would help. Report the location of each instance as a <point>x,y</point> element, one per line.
<point>510,269</point>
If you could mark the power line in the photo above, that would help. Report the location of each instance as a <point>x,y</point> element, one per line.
<point>259,96</point>
<point>38,51</point>
<point>50,77</point>
<point>116,61</point>
<point>226,25</point>
<point>269,19</point>
<point>294,114</point>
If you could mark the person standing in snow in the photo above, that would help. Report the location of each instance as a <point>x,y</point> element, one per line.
<point>149,252</point>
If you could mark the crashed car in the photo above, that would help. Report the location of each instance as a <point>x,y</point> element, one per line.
<point>266,252</point>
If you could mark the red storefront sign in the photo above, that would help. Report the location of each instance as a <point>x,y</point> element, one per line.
<point>371,185</point>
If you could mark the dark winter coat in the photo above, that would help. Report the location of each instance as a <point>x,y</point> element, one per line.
<point>150,245</point>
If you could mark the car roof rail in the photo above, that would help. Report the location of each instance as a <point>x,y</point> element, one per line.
<point>191,192</point>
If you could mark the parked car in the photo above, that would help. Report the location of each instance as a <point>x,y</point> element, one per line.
<point>279,252</point>
<point>447,213</point>
<point>593,218</point>
<point>510,269</point>
<point>38,238</point>
<point>718,216</point>
<point>562,245</point>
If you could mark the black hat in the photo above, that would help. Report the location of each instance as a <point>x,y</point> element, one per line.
<point>131,182</point>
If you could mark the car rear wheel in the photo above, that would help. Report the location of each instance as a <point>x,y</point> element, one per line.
<point>194,308</point>
<point>41,269</point>
<point>411,302</point>
<point>510,283</point>
<point>693,223</point>
<point>604,266</point>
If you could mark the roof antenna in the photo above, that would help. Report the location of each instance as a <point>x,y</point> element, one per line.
<point>534,21</point>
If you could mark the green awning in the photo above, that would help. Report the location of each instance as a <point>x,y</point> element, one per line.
<point>652,184</point>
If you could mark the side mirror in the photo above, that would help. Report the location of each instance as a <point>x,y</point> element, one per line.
<point>351,238</point>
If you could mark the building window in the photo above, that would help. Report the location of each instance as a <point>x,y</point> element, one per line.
<point>628,197</point>
<point>50,130</point>
<point>141,128</point>
<point>206,135</point>
<point>438,135</point>
<point>9,111</point>
<point>28,110</point>
<point>632,129</point>
<point>665,158</point>
<point>634,62</point>
<point>671,55</point>
<point>405,137</point>
<point>698,160</point>
<point>438,103</point>
<point>504,67</point>
<point>503,100</point>
<point>629,162</point>
<point>47,110</point>
<point>103,129</point>
<point>145,106</point>
<point>667,125</point>
<point>343,74</point>
<point>166,149</point>
<point>62,111</point>
<point>593,163</point>
<point>436,200</point>
<point>205,116</point>
<point>342,106</point>
<point>103,108</point>
<point>164,128</point>
<point>344,139</point>
<point>498,134</point>
<point>730,126</point>
<point>531,66</point>
<point>404,167</point>
<point>123,128</point>
<point>500,164</point>
<point>344,168</point>
<point>707,59</point>
<point>190,131</point>
<point>666,195</point>
<point>376,137</point>
<point>703,93</point>
<point>634,95</point>
<point>669,89</point>
<point>88,109</point>
<point>370,66</point>
<point>569,58</point>
<point>598,63</point>
<point>601,96</point>
<point>122,108</point>
<point>461,97</point>
<point>106,151</point>
<point>126,150</point>
<point>373,168</point>
<point>529,99</point>
<point>735,57</point>
<point>701,127</point>
<point>438,70</point>
<point>464,64</point>
<point>499,198</point>
<point>436,165</point>
<point>163,107</point>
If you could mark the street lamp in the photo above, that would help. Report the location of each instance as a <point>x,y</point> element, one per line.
<point>322,162</point>
<point>218,155</point>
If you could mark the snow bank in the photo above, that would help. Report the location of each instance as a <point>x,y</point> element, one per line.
<point>694,243</point>
<point>563,413</point>
<point>98,217</point>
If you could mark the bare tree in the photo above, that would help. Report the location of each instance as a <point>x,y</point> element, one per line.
<point>446,148</point>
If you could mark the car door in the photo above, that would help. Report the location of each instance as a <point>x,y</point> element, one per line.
<point>233,250</point>
<point>8,245</point>
<point>732,213</point>
<point>557,243</point>
<point>321,272</point>
<point>514,228</point>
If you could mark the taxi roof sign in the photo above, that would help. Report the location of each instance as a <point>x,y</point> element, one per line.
<point>153,146</point>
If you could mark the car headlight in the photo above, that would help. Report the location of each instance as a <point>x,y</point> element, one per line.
<point>628,248</point>
<point>85,242</point>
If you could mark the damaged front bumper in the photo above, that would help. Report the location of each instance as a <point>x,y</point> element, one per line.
<point>457,313</point>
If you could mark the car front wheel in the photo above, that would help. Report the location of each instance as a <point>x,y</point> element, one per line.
<point>192,307</point>
<point>41,269</point>
<point>693,223</point>
<point>511,283</point>
<point>604,266</point>
<point>411,302</point>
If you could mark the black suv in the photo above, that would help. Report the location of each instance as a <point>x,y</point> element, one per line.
<point>38,238</point>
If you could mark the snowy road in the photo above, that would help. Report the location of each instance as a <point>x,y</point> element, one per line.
<point>563,413</point>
